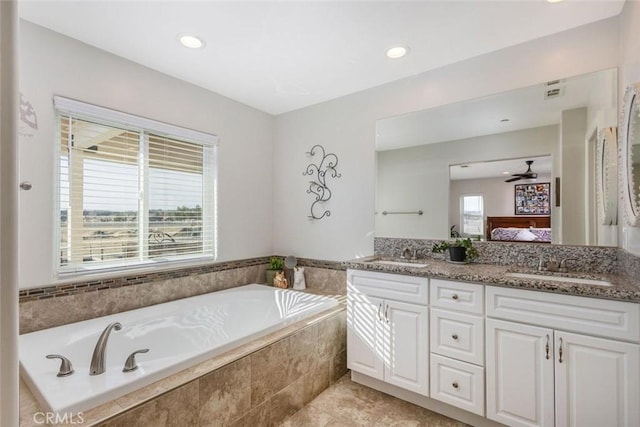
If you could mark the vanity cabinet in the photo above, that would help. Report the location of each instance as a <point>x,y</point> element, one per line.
<point>553,371</point>
<point>457,344</point>
<point>387,333</point>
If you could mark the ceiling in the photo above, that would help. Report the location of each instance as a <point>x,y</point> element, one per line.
<point>279,56</point>
<point>497,168</point>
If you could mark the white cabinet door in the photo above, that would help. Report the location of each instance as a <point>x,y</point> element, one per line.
<point>364,335</point>
<point>407,365</point>
<point>519,374</point>
<point>596,382</point>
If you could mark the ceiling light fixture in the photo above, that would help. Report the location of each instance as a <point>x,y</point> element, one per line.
<point>397,52</point>
<point>191,41</point>
<point>554,1</point>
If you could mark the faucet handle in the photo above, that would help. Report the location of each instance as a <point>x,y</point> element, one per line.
<point>541,266</point>
<point>130,365</point>
<point>66,368</point>
<point>563,264</point>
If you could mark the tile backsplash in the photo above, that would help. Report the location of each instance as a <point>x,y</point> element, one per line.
<point>593,259</point>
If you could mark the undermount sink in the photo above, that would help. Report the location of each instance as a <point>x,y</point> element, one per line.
<point>401,263</point>
<point>560,279</point>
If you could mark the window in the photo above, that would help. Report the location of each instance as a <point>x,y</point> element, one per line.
<point>472,214</point>
<point>132,191</point>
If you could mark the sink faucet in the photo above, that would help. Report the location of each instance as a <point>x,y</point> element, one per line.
<point>98,359</point>
<point>551,265</point>
<point>406,253</point>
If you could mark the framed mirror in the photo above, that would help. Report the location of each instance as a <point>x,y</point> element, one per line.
<point>433,166</point>
<point>607,176</point>
<point>629,154</point>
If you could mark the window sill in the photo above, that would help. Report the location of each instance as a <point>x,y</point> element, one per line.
<point>102,272</point>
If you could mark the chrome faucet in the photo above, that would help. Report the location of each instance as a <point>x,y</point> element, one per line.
<point>98,359</point>
<point>406,253</point>
<point>563,264</point>
<point>551,265</point>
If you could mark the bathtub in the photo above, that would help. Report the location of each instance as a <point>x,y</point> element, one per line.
<point>178,334</point>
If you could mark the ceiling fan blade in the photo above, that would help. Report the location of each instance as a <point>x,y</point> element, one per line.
<point>517,178</point>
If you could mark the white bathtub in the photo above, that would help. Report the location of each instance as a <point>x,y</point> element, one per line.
<point>178,334</point>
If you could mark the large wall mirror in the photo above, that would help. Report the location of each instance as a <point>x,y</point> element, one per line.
<point>523,159</point>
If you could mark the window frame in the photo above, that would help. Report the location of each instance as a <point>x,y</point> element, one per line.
<point>108,117</point>
<point>462,231</point>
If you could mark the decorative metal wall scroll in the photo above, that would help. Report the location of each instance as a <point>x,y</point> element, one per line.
<point>318,172</point>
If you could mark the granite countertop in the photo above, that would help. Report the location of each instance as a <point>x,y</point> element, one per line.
<point>491,274</point>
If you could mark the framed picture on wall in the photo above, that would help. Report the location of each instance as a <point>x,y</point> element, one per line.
<point>533,199</point>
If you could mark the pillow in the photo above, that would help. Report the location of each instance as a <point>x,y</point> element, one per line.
<point>525,236</point>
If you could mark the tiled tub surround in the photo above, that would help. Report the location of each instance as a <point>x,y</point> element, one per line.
<point>260,383</point>
<point>51,306</point>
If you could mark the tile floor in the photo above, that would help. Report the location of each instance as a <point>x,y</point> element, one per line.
<point>347,404</point>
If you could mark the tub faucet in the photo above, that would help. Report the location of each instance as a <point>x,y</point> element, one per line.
<point>98,358</point>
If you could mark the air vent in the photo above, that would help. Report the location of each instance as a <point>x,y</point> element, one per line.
<point>556,92</point>
<point>554,82</point>
<point>554,89</point>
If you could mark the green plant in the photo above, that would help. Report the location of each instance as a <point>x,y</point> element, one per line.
<point>276,263</point>
<point>471,251</point>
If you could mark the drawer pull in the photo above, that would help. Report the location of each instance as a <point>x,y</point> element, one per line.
<point>547,347</point>
<point>454,296</point>
<point>455,385</point>
<point>380,312</point>
<point>386,313</point>
<point>560,351</point>
<point>454,336</point>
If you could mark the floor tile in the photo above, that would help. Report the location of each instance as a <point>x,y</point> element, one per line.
<point>346,404</point>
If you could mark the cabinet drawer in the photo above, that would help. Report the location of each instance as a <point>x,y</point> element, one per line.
<point>591,316</point>
<point>457,383</point>
<point>460,296</point>
<point>457,335</point>
<point>392,286</point>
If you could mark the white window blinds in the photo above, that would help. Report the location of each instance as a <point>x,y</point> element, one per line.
<point>130,196</point>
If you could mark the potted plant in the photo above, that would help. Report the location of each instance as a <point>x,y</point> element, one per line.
<point>275,266</point>
<point>460,250</point>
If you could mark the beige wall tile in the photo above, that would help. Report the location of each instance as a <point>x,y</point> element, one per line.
<point>177,408</point>
<point>316,381</point>
<point>225,394</point>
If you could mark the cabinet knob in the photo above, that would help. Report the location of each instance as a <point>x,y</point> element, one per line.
<point>455,384</point>
<point>454,296</point>
<point>454,336</point>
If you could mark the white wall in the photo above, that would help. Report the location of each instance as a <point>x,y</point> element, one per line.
<point>55,64</point>
<point>418,177</point>
<point>346,126</point>
<point>629,73</point>
<point>574,130</point>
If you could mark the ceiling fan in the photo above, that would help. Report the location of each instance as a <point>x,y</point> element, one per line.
<point>527,175</point>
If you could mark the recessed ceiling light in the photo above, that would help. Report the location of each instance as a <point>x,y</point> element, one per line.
<point>397,52</point>
<point>505,173</point>
<point>554,1</point>
<point>191,41</point>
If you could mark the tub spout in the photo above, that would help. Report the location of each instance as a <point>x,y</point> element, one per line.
<point>98,358</point>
